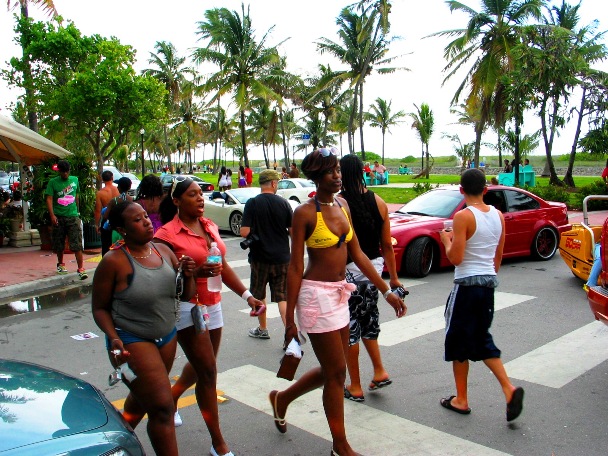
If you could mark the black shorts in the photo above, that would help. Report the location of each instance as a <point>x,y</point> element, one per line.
<point>273,274</point>
<point>364,314</point>
<point>468,316</point>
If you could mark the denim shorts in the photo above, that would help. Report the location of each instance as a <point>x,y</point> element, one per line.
<point>129,338</point>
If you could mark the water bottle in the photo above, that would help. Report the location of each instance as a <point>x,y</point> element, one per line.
<point>215,257</point>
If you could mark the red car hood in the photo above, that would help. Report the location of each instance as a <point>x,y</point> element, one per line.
<point>411,220</point>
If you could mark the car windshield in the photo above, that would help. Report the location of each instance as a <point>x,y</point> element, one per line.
<point>307,183</point>
<point>436,203</point>
<point>243,194</point>
<point>131,176</point>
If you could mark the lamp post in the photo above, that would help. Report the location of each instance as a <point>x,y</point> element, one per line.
<point>143,163</point>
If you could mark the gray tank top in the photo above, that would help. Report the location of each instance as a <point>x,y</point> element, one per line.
<point>146,308</point>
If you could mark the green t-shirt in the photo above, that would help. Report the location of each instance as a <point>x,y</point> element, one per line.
<point>64,194</point>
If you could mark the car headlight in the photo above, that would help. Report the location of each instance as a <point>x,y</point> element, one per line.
<point>116,452</point>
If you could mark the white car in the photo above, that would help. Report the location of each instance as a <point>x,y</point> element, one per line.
<point>225,209</point>
<point>118,174</point>
<point>134,180</point>
<point>296,189</point>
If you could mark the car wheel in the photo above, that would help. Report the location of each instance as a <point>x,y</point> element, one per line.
<point>419,257</point>
<point>545,244</point>
<point>235,221</point>
<point>295,198</point>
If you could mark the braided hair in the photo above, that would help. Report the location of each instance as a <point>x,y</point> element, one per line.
<point>353,189</point>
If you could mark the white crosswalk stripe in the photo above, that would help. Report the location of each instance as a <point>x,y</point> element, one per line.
<point>370,431</point>
<point>419,324</point>
<point>559,362</point>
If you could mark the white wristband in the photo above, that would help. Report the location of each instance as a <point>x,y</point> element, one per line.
<point>246,295</point>
<point>386,293</point>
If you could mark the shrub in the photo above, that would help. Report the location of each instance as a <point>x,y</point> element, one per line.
<point>596,188</point>
<point>551,193</point>
<point>423,187</point>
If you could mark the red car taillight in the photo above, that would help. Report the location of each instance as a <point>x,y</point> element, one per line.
<point>312,194</point>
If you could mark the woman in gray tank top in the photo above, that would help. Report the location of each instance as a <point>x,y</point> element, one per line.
<point>134,304</point>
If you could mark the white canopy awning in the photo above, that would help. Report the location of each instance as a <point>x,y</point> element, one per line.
<point>20,144</point>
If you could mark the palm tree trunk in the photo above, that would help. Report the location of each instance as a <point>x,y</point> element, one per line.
<point>28,83</point>
<point>568,178</point>
<point>244,139</point>
<point>285,148</point>
<point>553,179</point>
<point>361,120</point>
<point>383,148</point>
<point>351,121</point>
<point>428,170</point>
<point>517,151</point>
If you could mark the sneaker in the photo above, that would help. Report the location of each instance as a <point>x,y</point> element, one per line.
<point>177,419</point>
<point>61,269</point>
<point>259,333</point>
<point>82,274</point>
<point>586,288</point>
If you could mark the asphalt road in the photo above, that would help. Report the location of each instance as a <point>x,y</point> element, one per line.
<point>551,347</point>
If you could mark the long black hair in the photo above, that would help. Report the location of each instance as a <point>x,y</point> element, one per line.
<point>150,187</point>
<point>167,209</point>
<point>353,189</point>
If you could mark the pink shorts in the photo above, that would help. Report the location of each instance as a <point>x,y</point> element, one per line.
<point>323,306</point>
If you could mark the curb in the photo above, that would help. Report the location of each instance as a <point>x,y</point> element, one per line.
<point>43,286</point>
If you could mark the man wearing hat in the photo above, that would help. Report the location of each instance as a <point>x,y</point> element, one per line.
<point>267,224</point>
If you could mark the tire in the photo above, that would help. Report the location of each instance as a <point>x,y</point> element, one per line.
<point>545,244</point>
<point>295,198</point>
<point>235,220</point>
<point>419,257</point>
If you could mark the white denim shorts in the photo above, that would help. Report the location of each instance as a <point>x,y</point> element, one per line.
<point>216,318</point>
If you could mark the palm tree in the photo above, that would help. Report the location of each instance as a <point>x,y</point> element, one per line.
<point>363,45</point>
<point>170,71</point>
<point>588,46</point>
<point>382,117</point>
<point>24,39</point>
<point>423,123</point>
<point>242,61</point>
<point>486,43</point>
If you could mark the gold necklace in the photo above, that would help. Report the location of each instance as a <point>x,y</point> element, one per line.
<point>141,257</point>
<point>331,203</point>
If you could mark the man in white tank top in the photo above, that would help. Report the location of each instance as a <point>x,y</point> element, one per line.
<point>475,248</point>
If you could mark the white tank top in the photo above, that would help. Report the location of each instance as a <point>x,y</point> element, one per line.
<point>481,247</point>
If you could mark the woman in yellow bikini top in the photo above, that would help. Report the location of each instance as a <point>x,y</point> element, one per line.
<point>319,295</point>
<point>322,236</point>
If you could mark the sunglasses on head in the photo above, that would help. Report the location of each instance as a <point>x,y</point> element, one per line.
<point>326,152</point>
<point>177,180</point>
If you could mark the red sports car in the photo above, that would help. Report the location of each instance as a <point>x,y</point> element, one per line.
<point>532,224</point>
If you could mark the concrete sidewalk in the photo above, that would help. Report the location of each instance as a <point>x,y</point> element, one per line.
<point>30,270</point>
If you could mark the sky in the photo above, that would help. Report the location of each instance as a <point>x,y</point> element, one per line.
<point>298,27</point>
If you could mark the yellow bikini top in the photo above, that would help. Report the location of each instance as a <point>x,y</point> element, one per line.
<point>322,236</point>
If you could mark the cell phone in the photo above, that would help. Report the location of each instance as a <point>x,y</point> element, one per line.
<point>400,291</point>
<point>114,377</point>
<point>259,310</point>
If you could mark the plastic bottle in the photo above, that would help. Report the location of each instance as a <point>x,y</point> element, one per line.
<point>215,257</point>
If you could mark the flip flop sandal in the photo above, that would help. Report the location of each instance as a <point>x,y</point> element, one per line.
<point>516,404</point>
<point>280,423</point>
<point>446,402</point>
<point>377,384</point>
<point>351,397</point>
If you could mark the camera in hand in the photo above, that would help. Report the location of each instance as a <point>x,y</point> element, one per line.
<point>248,242</point>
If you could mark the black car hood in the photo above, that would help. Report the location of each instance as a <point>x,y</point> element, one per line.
<point>39,404</point>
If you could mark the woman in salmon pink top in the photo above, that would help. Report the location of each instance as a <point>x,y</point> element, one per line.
<point>187,232</point>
